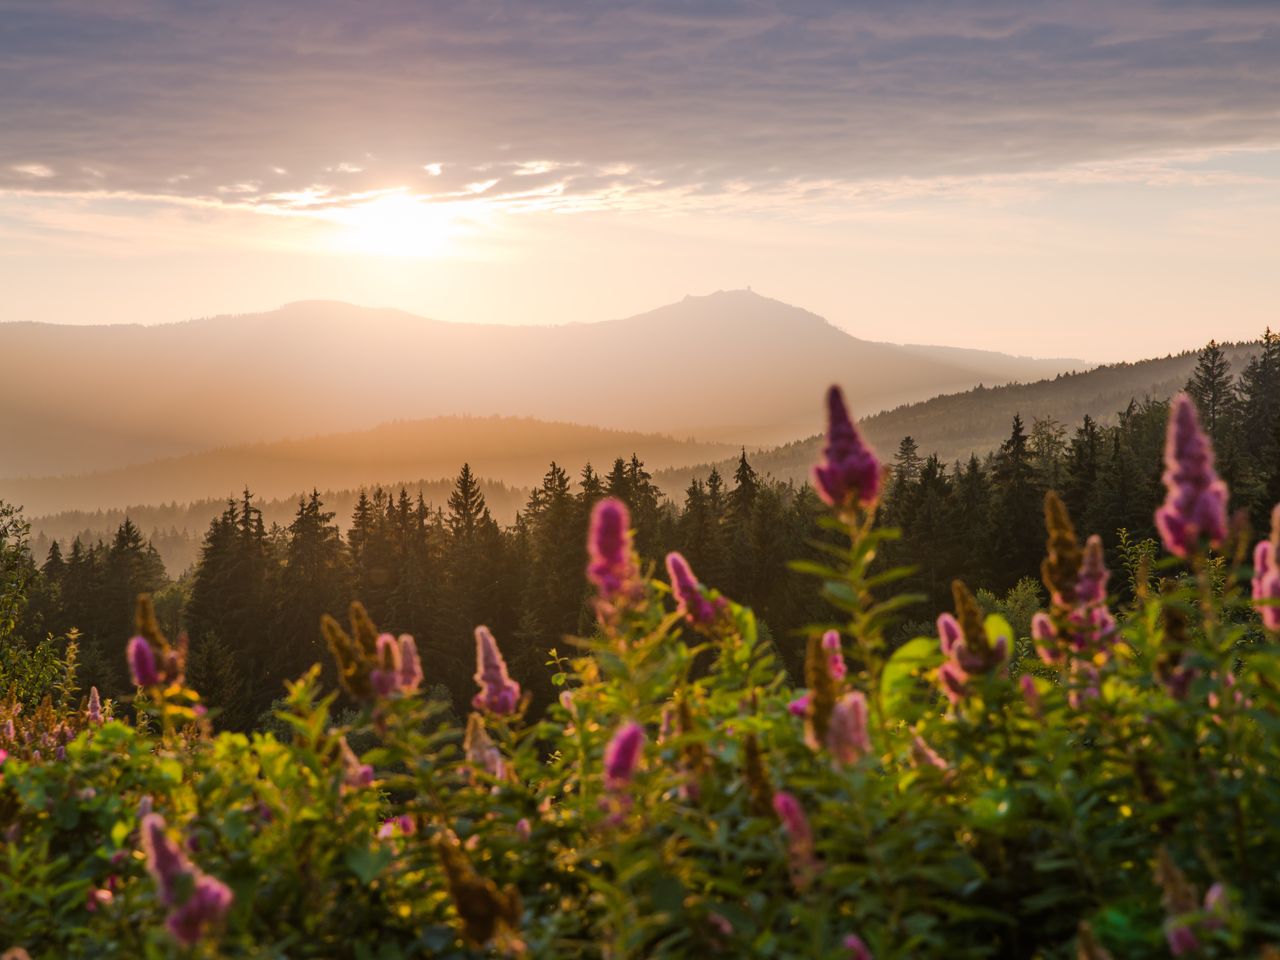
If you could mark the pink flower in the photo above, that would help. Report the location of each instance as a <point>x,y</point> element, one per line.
<point>142,663</point>
<point>847,736</point>
<point>385,678</point>
<point>208,904</point>
<point>499,694</point>
<point>949,633</point>
<point>622,755</point>
<point>721,924</point>
<point>1180,937</point>
<point>403,826</point>
<point>166,862</point>
<point>524,830</point>
<point>93,712</point>
<point>857,949</point>
<point>410,665</point>
<point>98,897</point>
<point>611,563</point>
<point>923,755</point>
<point>480,749</point>
<point>1217,906</point>
<point>1091,584</point>
<point>849,473</point>
<point>1195,506</point>
<point>1030,693</point>
<point>954,681</point>
<point>1045,635</point>
<point>355,775</point>
<point>695,606</point>
<point>831,643</point>
<point>799,707</point>
<point>804,864</point>
<point>208,899</point>
<point>1266,576</point>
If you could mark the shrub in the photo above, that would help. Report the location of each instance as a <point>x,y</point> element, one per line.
<point>937,799</point>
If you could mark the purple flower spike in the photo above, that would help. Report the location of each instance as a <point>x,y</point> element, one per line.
<point>1195,506</point>
<point>688,592</point>
<point>355,775</point>
<point>849,473</point>
<point>142,663</point>
<point>1266,584</point>
<point>804,865</point>
<point>949,633</point>
<point>847,736</point>
<point>410,665</point>
<point>1091,586</point>
<point>1266,575</point>
<point>611,564</point>
<point>923,755</point>
<point>1180,937</point>
<point>93,712</point>
<point>1030,693</point>
<point>208,904</point>
<point>622,755</point>
<point>831,643</point>
<point>385,678</point>
<point>165,860</point>
<point>857,949</point>
<point>953,681</point>
<point>498,694</point>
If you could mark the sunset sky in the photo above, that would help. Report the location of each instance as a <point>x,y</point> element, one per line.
<point>1085,179</point>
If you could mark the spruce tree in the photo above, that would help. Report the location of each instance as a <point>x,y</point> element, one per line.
<point>313,582</point>
<point>1212,389</point>
<point>1018,534</point>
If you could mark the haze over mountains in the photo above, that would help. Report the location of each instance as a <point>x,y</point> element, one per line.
<point>515,451</point>
<point>978,420</point>
<point>733,367</point>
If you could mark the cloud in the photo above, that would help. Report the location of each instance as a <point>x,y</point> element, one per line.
<point>584,104</point>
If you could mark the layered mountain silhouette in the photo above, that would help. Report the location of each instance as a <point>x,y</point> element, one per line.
<point>732,367</point>
<point>513,451</point>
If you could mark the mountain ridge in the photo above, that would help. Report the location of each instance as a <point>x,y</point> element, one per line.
<point>732,367</point>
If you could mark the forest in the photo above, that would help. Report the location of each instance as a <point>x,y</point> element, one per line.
<point>251,603</point>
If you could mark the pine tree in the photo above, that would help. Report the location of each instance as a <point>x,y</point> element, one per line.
<point>552,596</point>
<point>742,498</point>
<point>1213,391</point>
<point>590,487</point>
<point>313,582</point>
<point>1017,525</point>
<point>1081,474</point>
<point>467,507</point>
<point>1259,402</point>
<point>906,463</point>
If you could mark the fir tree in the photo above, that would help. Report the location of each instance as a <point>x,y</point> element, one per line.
<point>1212,389</point>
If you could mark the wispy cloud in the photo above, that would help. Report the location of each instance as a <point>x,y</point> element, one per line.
<point>662,99</point>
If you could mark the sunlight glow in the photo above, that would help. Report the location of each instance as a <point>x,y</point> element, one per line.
<point>394,224</point>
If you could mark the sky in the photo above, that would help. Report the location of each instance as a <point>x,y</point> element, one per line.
<point>1085,179</point>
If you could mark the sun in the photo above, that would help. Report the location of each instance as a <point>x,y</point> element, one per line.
<point>394,224</point>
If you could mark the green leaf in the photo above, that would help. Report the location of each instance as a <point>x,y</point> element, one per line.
<point>897,682</point>
<point>367,862</point>
<point>996,627</point>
